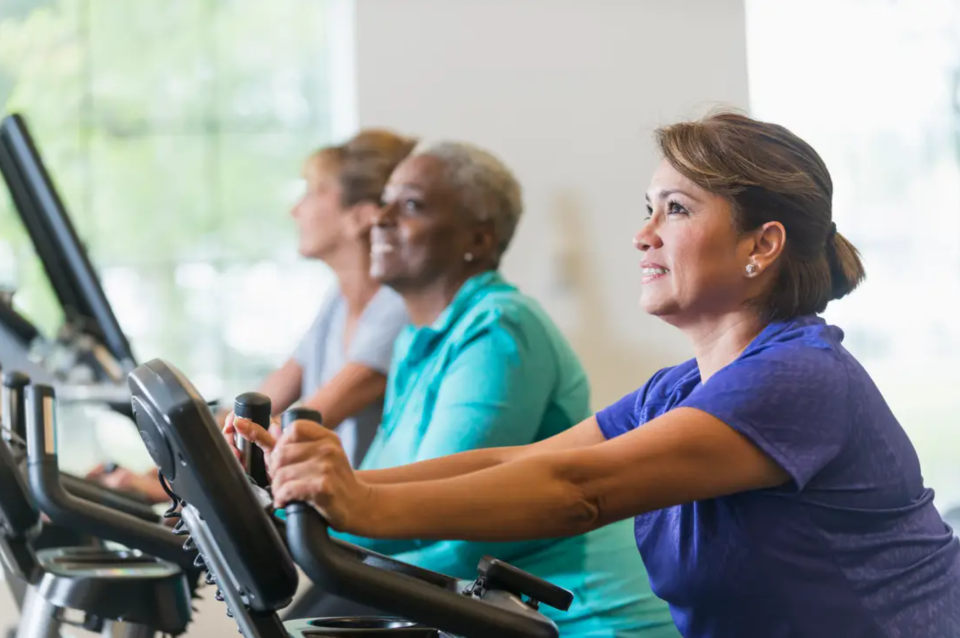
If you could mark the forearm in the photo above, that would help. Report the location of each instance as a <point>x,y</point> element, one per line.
<point>683,456</point>
<point>528,498</point>
<point>283,386</point>
<point>583,435</point>
<point>443,467</point>
<point>351,390</point>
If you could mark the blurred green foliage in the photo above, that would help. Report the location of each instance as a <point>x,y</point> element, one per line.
<point>174,131</point>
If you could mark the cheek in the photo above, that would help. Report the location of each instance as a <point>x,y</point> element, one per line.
<point>413,240</point>
<point>309,213</point>
<point>702,262</point>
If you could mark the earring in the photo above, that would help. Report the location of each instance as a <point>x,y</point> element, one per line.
<point>468,257</point>
<point>751,270</point>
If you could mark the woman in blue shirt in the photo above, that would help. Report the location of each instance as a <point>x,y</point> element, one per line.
<point>775,493</point>
<point>483,366</point>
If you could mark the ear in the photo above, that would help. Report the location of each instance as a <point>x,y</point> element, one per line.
<point>769,241</point>
<point>483,241</point>
<point>360,218</point>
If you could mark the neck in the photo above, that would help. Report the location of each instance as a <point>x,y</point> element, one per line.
<point>425,303</point>
<point>718,341</point>
<point>351,265</point>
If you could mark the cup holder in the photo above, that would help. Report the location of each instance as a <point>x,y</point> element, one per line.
<point>368,626</point>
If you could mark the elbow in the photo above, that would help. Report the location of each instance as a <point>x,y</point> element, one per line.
<point>583,507</point>
<point>584,515</point>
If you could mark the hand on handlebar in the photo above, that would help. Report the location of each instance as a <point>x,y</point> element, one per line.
<point>308,464</point>
<point>264,439</point>
<point>124,480</point>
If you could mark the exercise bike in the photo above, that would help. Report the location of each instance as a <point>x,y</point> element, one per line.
<point>229,519</point>
<point>129,593</point>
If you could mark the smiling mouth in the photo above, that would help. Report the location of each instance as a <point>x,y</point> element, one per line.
<point>652,274</point>
<point>380,249</point>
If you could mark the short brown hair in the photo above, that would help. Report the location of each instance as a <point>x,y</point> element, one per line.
<point>770,174</point>
<point>364,163</point>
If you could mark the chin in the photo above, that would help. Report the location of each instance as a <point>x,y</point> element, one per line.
<point>381,275</point>
<point>307,250</point>
<point>658,307</point>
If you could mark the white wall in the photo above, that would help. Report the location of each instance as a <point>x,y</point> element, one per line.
<point>567,92</point>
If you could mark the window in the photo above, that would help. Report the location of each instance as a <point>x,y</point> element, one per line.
<point>874,86</point>
<point>175,132</point>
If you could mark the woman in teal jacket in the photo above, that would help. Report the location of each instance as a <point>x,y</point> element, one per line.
<point>481,365</point>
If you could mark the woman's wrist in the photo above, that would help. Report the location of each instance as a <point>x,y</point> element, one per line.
<point>379,516</point>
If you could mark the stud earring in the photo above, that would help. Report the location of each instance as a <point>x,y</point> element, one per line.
<point>751,270</point>
<point>468,257</point>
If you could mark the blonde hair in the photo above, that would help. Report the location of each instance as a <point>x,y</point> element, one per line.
<point>364,163</point>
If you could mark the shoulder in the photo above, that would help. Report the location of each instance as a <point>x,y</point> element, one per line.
<point>331,301</point>
<point>386,306</point>
<point>805,350</point>
<point>792,372</point>
<point>510,310</point>
<point>519,323</point>
<point>387,299</point>
<point>382,322</point>
<point>516,327</point>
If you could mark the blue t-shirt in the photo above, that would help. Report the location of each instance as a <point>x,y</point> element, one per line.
<point>851,547</point>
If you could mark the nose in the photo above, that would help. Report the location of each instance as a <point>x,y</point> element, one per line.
<point>295,210</point>
<point>385,216</point>
<point>647,237</point>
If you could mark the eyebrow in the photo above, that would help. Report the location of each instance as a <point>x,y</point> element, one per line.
<point>403,186</point>
<point>671,191</point>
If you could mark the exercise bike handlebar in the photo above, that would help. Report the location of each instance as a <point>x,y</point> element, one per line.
<point>66,509</point>
<point>14,418</point>
<point>349,571</point>
<point>116,500</point>
<point>332,566</point>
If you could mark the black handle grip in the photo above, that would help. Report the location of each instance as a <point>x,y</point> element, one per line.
<point>299,414</point>
<point>13,412</point>
<point>114,499</point>
<point>257,408</point>
<point>341,569</point>
<point>68,510</point>
<point>497,574</point>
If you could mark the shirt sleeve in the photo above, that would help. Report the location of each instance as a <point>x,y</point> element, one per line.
<point>624,415</point>
<point>789,401</point>
<point>309,347</point>
<point>381,322</point>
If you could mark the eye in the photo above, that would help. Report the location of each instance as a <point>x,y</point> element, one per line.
<point>412,205</point>
<point>676,208</point>
<point>649,214</point>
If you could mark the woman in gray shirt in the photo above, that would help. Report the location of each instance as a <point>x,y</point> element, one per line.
<point>341,364</point>
<point>340,367</point>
